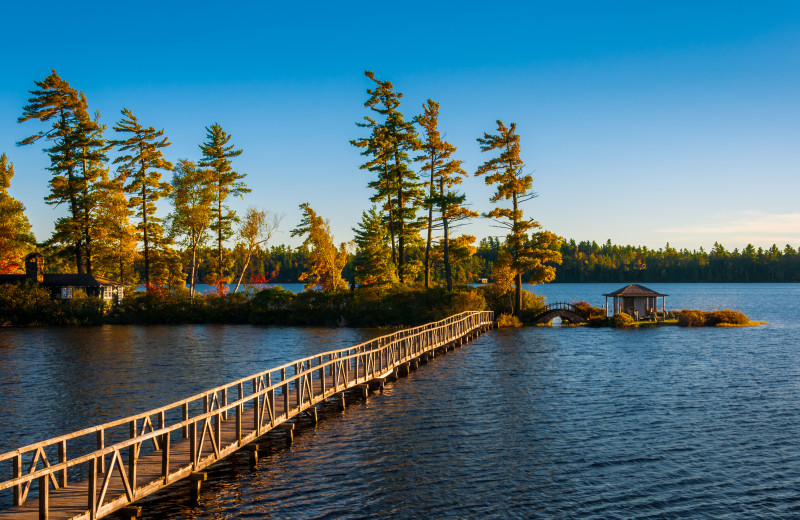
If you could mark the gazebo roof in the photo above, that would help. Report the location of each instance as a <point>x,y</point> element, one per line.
<point>634,290</point>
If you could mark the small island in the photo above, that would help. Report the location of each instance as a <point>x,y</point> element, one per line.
<point>636,306</point>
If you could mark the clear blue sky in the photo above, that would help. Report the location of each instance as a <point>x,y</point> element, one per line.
<point>642,122</point>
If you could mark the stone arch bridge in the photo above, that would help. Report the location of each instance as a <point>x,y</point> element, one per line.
<point>563,310</point>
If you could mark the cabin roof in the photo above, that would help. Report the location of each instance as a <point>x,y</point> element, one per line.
<point>63,280</point>
<point>11,278</point>
<point>634,290</point>
<point>76,280</point>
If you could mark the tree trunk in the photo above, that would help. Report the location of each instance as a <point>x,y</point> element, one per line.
<point>86,231</point>
<point>447,274</point>
<point>194,270</point>
<point>430,229</point>
<point>391,215</point>
<point>246,263</point>
<point>401,249</point>
<point>219,233</point>
<point>146,238</point>
<point>515,257</point>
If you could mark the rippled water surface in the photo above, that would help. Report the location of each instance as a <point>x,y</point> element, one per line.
<point>532,422</point>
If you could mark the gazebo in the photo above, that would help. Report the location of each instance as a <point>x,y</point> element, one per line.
<point>636,300</point>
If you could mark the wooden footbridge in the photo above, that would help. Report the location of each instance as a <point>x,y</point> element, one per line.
<point>96,471</point>
<point>563,310</point>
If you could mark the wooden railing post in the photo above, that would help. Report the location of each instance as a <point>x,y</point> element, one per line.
<point>92,491</point>
<point>44,497</point>
<point>62,457</point>
<point>225,402</point>
<point>285,390</point>
<point>298,383</point>
<point>193,444</point>
<point>239,413</point>
<point>271,396</point>
<point>16,473</point>
<point>161,423</point>
<point>165,442</point>
<point>101,443</point>
<point>256,408</point>
<point>218,430</point>
<point>133,454</point>
<point>185,432</point>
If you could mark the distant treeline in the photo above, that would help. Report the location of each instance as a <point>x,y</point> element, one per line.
<point>584,262</point>
<point>589,262</point>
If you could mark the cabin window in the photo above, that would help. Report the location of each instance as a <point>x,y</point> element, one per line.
<point>107,289</point>
<point>66,293</point>
<point>119,293</point>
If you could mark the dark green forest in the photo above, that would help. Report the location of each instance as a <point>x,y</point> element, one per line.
<point>589,262</point>
<point>584,262</point>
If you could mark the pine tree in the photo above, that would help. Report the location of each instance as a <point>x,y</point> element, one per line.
<point>377,148</point>
<point>505,171</point>
<point>16,239</point>
<point>56,102</point>
<point>325,260</point>
<point>217,156</point>
<point>373,263</point>
<point>192,200</point>
<point>140,167</point>
<point>390,143</point>
<point>444,173</point>
<point>91,147</point>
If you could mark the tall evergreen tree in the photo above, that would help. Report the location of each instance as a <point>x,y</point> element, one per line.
<point>376,148</point>
<point>16,238</point>
<point>91,147</point>
<point>372,263</point>
<point>444,173</point>
<point>390,143</point>
<point>505,171</point>
<point>141,168</point>
<point>54,101</point>
<point>217,158</point>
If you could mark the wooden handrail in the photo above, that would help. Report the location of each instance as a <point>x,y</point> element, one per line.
<point>364,362</point>
<point>196,397</point>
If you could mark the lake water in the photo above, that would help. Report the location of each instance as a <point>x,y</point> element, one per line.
<point>535,422</point>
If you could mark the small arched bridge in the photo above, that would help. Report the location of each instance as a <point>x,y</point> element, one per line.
<point>563,310</point>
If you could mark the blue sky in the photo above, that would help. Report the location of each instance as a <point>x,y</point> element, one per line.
<point>642,122</point>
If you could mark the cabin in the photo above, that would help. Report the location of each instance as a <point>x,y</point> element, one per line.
<point>637,301</point>
<point>66,286</point>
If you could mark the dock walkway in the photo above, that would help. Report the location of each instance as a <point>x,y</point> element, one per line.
<point>177,441</point>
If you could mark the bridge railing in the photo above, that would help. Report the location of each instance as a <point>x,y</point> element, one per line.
<point>562,306</point>
<point>296,386</point>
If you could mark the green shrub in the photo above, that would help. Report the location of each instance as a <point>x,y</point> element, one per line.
<point>27,304</point>
<point>83,311</point>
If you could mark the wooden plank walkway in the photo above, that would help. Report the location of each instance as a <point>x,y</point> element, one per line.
<point>177,441</point>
